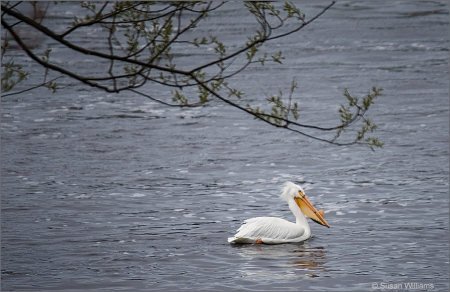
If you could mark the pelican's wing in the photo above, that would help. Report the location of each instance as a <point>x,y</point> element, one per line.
<point>268,229</point>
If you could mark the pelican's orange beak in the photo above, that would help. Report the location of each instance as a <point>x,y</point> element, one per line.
<point>309,210</point>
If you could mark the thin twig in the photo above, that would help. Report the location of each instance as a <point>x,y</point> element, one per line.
<point>31,88</point>
<point>293,86</point>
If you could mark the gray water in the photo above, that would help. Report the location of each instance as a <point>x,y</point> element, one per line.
<point>116,192</point>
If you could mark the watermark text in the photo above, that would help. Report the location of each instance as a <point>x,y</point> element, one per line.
<point>402,286</point>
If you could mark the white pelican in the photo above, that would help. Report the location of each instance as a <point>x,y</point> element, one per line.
<point>272,230</point>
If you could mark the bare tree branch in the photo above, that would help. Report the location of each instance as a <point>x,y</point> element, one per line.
<point>139,42</point>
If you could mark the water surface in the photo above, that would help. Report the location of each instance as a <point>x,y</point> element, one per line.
<point>116,192</point>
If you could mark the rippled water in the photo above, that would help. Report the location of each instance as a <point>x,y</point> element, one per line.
<point>103,191</point>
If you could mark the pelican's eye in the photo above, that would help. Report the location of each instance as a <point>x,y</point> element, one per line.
<point>301,194</point>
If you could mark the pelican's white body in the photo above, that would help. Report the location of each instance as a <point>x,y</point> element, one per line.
<point>272,230</point>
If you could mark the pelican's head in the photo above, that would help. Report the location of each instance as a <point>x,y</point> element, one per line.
<point>292,191</point>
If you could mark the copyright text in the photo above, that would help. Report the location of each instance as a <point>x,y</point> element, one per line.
<point>402,286</point>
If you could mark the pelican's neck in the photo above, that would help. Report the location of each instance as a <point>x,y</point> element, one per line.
<point>300,217</point>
